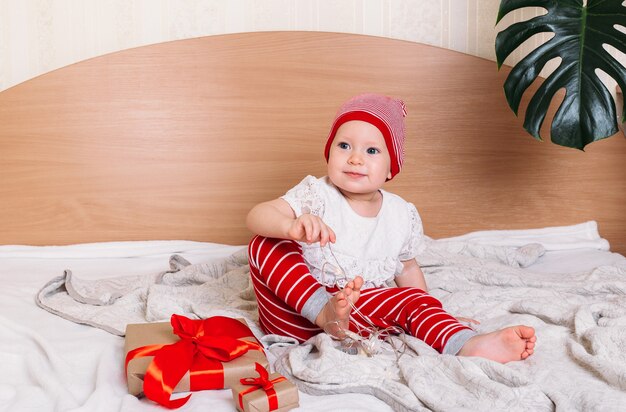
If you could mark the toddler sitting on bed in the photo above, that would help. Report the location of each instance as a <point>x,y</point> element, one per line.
<point>345,220</point>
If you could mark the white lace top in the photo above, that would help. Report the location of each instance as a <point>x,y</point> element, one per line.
<point>373,247</point>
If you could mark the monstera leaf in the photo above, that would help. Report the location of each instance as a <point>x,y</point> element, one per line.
<point>587,113</point>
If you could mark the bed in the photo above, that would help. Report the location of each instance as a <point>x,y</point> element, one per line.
<point>142,164</point>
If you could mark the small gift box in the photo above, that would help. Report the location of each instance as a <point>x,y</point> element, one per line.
<point>265,393</point>
<point>189,355</point>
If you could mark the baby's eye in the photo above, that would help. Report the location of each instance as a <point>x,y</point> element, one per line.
<point>343,145</point>
<point>372,150</point>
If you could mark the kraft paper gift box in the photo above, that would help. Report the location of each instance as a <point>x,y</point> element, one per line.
<point>189,355</point>
<point>263,392</point>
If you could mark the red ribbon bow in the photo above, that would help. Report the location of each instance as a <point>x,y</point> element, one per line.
<point>203,345</point>
<point>262,382</point>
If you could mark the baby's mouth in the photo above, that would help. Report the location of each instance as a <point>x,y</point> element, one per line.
<point>354,174</point>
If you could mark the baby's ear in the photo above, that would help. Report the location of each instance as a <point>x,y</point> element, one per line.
<point>389,175</point>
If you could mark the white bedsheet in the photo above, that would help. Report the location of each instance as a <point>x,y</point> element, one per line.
<point>50,364</point>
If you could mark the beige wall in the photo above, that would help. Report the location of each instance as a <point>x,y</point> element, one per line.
<point>37,36</point>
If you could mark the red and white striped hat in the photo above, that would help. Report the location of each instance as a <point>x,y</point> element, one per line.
<point>386,113</point>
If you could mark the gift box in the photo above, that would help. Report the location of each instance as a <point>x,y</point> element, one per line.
<point>189,355</point>
<point>265,392</point>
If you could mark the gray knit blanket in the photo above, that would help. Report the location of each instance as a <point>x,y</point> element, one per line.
<point>580,320</point>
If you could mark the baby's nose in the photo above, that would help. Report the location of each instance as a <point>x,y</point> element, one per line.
<point>355,158</point>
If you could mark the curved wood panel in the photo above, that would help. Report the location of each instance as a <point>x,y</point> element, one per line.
<point>178,140</point>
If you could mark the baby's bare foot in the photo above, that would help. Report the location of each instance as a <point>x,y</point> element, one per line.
<point>504,345</point>
<point>335,316</point>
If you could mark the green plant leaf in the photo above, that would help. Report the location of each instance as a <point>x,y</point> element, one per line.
<point>587,113</point>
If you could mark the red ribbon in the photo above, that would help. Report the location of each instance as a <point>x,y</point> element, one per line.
<point>203,345</point>
<point>262,382</point>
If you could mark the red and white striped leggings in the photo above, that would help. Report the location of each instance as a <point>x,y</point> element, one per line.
<point>283,284</point>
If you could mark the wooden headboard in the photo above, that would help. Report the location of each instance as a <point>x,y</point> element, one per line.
<point>179,140</point>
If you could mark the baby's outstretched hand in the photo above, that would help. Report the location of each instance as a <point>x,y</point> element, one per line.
<point>310,228</point>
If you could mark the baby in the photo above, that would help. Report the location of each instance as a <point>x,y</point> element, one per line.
<point>333,243</point>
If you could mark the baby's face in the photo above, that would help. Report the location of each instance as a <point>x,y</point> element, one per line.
<point>359,161</point>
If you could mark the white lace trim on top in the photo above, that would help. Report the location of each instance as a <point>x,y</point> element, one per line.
<point>416,243</point>
<point>304,198</point>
